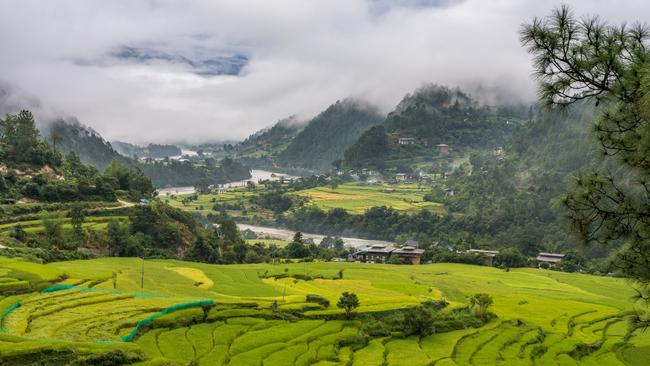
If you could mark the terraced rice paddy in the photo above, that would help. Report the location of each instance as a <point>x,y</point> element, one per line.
<point>543,317</point>
<point>357,198</point>
<point>36,226</point>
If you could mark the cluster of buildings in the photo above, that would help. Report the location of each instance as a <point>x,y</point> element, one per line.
<point>543,257</point>
<point>409,253</point>
<point>442,149</point>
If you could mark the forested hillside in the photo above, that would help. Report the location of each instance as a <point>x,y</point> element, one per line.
<point>260,150</point>
<point>514,199</point>
<point>171,173</point>
<point>155,151</point>
<point>33,169</point>
<point>88,144</point>
<point>430,116</point>
<point>326,137</point>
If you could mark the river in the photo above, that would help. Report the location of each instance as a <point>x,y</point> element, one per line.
<point>256,176</point>
<point>285,234</point>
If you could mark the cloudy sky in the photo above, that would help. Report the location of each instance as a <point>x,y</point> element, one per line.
<point>195,71</point>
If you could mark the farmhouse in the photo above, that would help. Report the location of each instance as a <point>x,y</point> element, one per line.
<point>443,149</point>
<point>373,253</point>
<point>488,254</point>
<point>222,190</point>
<point>409,253</point>
<point>400,177</point>
<point>406,141</point>
<point>380,253</point>
<point>553,258</point>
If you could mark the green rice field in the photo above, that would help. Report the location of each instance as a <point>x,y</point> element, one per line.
<point>357,198</point>
<point>542,317</point>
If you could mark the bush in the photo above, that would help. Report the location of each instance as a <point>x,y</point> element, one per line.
<point>510,258</point>
<point>325,303</point>
<point>375,328</point>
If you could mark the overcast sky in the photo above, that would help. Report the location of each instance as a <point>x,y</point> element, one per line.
<point>195,71</point>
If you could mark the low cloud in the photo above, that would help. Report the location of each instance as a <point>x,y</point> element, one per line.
<point>218,70</point>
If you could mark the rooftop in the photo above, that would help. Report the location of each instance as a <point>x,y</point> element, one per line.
<point>544,254</point>
<point>489,253</point>
<point>376,248</point>
<point>407,249</point>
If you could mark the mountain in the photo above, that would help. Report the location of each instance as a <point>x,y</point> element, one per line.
<point>66,133</point>
<point>154,151</point>
<point>260,150</point>
<point>270,141</point>
<point>328,135</point>
<point>431,116</point>
<point>70,135</point>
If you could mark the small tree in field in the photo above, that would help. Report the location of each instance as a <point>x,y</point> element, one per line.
<point>334,184</point>
<point>480,303</point>
<point>348,302</point>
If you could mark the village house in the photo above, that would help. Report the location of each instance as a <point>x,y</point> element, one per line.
<point>373,253</point>
<point>222,190</point>
<point>400,177</point>
<point>381,253</point>
<point>449,192</point>
<point>550,258</point>
<point>443,149</point>
<point>488,254</point>
<point>409,253</point>
<point>406,141</point>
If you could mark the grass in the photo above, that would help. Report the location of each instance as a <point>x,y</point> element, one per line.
<point>268,242</point>
<point>204,202</point>
<point>194,274</point>
<point>36,226</point>
<point>357,198</point>
<point>543,316</point>
<point>353,197</point>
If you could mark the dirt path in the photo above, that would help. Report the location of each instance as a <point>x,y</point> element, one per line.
<point>123,204</point>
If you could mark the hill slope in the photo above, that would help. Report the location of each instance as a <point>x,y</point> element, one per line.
<point>89,145</point>
<point>430,116</point>
<point>155,151</point>
<point>326,136</point>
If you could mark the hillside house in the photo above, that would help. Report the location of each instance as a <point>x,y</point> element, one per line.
<point>442,149</point>
<point>551,258</point>
<point>400,177</point>
<point>449,192</point>
<point>488,254</point>
<point>409,253</point>
<point>222,190</point>
<point>374,253</point>
<point>406,141</point>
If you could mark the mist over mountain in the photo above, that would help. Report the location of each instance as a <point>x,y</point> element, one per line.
<point>155,151</point>
<point>325,137</point>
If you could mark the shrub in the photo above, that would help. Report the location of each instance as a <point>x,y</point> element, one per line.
<point>325,303</point>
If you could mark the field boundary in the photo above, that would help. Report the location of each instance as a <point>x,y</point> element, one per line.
<point>148,320</point>
<point>5,314</point>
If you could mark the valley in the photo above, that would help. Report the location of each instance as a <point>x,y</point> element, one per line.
<point>310,183</point>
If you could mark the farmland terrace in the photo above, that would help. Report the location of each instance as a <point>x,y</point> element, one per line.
<point>262,316</point>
